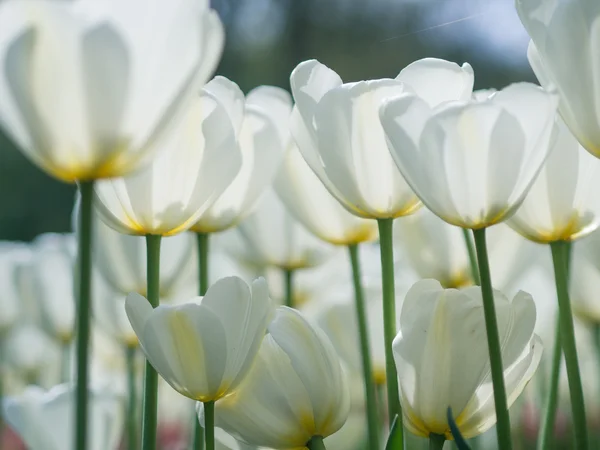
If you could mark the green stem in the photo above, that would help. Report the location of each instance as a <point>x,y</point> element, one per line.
<point>203,250</point>
<point>149,421</point>
<point>84,289</point>
<point>65,362</point>
<point>131,423</point>
<point>472,256</point>
<point>547,427</point>
<point>203,242</point>
<point>363,332</point>
<point>560,256</point>
<point>491,326</point>
<point>389,317</point>
<point>209,425</point>
<point>289,287</point>
<point>316,443</point>
<point>436,441</point>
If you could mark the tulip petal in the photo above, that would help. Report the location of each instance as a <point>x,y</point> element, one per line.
<point>231,97</point>
<point>437,81</point>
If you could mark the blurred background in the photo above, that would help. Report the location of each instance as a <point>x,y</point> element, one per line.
<point>266,39</point>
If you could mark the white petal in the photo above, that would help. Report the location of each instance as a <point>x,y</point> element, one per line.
<point>437,81</point>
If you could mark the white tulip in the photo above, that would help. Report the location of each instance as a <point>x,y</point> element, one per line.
<point>295,390</point>
<point>89,87</point>
<point>472,162</point>
<point>10,301</point>
<point>338,132</point>
<point>585,278</point>
<point>31,353</point>
<point>562,204</point>
<point>200,159</point>
<point>53,282</point>
<point>442,356</point>
<point>272,237</point>
<point>563,55</point>
<point>307,199</point>
<point>436,249</point>
<point>203,349</point>
<point>258,137</point>
<point>121,260</point>
<point>339,321</point>
<point>44,419</point>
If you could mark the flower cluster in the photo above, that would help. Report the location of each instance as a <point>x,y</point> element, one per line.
<point>337,267</point>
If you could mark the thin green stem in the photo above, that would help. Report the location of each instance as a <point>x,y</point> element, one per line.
<point>203,241</point>
<point>472,256</point>
<point>316,443</point>
<point>209,425</point>
<point>203,251</point>
<point>493,338</point>
<point>84,290</point>
<point>289,287</point>
<point>560,256</point>
<point>365,350</point>
<point>436,441</point>
<point>547,427</point>
<point>149,421</point>
<point>65,361</point>
<point>131,422</point>
<point>389,317</point>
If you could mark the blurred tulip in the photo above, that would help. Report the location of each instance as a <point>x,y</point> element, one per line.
<point>436,249</point>
<point>338,132</point>
<point>44,420</point>
<point>339,321</point>
<point>121,260</point>
<point>309,202</point>
<point>203,349</point>
<point>31,353</point>
<point>563,56</point>
<point>296,389</point>
<point>10,301</point>
<point>271,237</point>
<point>79,118</point>
<point>52,266</point>
<point>257,135</point>
<point>585,278</point>
<point>472,163</point>
<point>442,356</point>
<point>562,204</point>
<point>198,162</point>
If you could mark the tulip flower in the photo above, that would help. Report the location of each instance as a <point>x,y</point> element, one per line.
<point>561,204</point>
<point>52,266</point>
<point>89,90</point>
<point>199,160</point>
<point>563,57</point>
<point>121,261</point>
<point>272,237</point>
<point>445,152</point>
<point>79,118</point>
<point>296,393</point>
<point>44,420</point>
<point>258,136</point>
<point>585,278</point>
<point>338,321</point>
<point>338,132</point>
<point>472,163</point>
<point>442,357</point>
<point>436,249</point>
<point>31,353</point>
<point>309,202</point>
<point>10,301</point>
<point>204,348</point>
